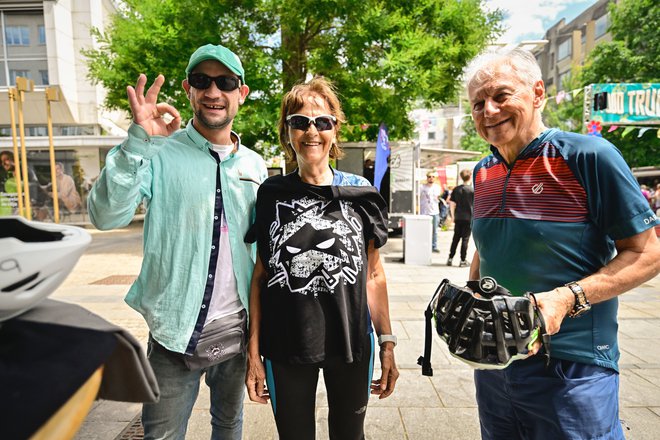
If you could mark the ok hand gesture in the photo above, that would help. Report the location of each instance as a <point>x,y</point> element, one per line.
<point>149,114</point>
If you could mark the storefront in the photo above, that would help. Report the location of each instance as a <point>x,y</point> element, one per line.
<point>78,159</point>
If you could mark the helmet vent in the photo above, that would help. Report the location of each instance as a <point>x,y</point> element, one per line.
<point>21,283</point>
<point>12,228</point>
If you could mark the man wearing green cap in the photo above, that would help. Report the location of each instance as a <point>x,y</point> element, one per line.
<point>199,185</point>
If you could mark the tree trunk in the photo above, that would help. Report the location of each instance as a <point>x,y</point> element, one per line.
<point>294,57</point>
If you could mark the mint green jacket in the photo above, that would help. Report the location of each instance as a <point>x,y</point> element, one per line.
<point>176,178</point>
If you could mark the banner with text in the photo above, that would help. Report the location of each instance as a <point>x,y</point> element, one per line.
<point>626,103</point>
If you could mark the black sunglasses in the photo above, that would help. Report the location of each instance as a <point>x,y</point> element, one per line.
<point>202,81</point>
<point>301,122</point>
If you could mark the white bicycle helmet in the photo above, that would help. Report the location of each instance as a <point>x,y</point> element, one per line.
<point>35,258</point>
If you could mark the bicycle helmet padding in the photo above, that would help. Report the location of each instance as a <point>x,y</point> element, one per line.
<point>485,328</point>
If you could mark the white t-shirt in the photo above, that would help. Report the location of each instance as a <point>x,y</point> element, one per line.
<point>428,199</point>
<point>224,300</point>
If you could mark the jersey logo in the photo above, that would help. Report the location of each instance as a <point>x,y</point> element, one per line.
<point>315,245</point>
<point>538,188</point>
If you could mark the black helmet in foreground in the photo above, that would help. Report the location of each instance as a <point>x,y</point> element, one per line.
<point>483,324</point>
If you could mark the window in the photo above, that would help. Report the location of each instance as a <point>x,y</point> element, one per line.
<point>17,35</point>
<point>565,49</point>
<point>44,77</point>
<point>602,23</point>
<point>42,34</point>
<point>14,73</point>
<point>431,135</point>
<point>36,131</point>
<point>562,78</point>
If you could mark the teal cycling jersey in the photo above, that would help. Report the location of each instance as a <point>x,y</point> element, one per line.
<point>551,217</point>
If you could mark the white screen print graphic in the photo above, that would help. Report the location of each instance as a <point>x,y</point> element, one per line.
<point>315,244</point>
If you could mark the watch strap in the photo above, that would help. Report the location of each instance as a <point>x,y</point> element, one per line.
<point>386,338</point>
<point>582,304</point>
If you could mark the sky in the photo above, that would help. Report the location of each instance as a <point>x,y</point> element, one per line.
<point>529,19</point>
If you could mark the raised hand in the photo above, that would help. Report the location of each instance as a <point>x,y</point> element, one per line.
<point>147,112</point>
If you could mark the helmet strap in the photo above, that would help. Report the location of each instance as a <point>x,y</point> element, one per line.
<point>545,337</point>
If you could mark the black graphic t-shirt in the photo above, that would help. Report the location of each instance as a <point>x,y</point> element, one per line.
<point>313,243</point>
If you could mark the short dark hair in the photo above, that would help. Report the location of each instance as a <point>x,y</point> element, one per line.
<point>465,175</point>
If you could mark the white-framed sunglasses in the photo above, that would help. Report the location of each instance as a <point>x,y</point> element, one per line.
<point>302,122</point>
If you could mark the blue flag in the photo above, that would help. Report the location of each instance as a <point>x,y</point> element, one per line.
<point>382,153</point>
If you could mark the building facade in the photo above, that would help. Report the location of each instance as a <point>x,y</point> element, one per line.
<point>569,44</point>
<point>43,41</point>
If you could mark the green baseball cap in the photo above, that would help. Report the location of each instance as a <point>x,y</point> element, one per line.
<point>220,54</point>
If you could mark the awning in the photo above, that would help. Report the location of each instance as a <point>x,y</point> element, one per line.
<point>34,109</point>
<point>438,157</point>
<point>430,155</point>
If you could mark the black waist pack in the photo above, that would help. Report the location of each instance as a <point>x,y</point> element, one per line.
<point>220,341</point>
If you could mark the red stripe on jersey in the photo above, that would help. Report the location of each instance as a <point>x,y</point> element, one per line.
<point>541,187</point>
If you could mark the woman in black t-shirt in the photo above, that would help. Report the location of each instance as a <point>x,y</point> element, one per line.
<point>318,282</point>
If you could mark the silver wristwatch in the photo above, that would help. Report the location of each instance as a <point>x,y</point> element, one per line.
<point>582,304</point>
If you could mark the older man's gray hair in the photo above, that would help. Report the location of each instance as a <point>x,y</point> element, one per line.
<point>521,62</point>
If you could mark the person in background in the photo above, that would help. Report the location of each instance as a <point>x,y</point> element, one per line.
<point>8,187</point>
<point>318,291</point>
<point>443,208</point>
<point>446,195</point>
<point>38,195</point>
<point>66,189</point>
<point>559,214</point>
<point>200,185</point>
<point>462,200</point>
<point>647,193</point>
<point>429,197</point>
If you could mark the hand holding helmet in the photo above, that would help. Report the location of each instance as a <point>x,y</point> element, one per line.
<point>483,324</point>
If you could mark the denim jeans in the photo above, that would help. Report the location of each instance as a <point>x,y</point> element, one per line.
<point>179,387</point>
<point>436,223</point>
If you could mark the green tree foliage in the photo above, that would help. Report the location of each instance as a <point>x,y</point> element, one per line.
<point>633,55</point>
<point>567,114</point>
<point>382,55</point>
<point>471,140</point>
